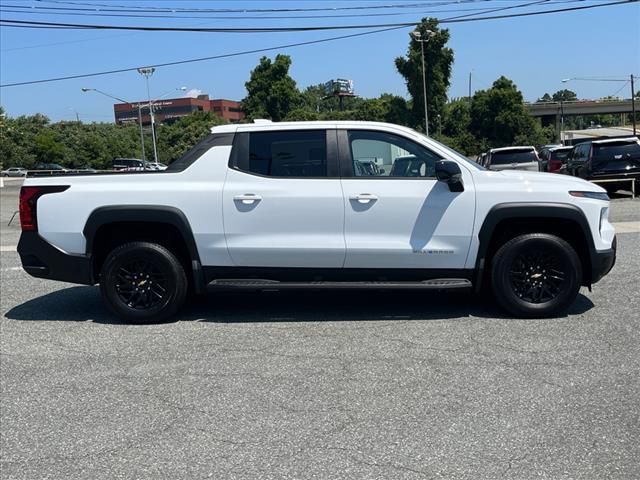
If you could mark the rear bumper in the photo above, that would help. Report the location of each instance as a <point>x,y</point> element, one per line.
<point>603,261</point>
<point>42,260</point>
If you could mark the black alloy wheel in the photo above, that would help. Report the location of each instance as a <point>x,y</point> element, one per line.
<point>143,282</point>
<point>141,285</point>
<point>536,275</point>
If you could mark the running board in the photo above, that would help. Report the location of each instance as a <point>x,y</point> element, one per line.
<point>434,284</point>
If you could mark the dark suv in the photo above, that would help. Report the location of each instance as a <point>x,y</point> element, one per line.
<point>607,161</point>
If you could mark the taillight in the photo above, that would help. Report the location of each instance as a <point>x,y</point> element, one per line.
<point>28,204</point>
<point>555,165</point>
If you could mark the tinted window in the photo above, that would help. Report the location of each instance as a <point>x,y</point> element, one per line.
<point>379,154</point>
<point>288,154</point>
<point>581,152</point>
<point>616,151</point>
<point>513,156</point>
<point>560,155</point>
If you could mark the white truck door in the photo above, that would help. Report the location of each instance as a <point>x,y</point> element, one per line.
<point>282,200</point>
<point>397,215</point>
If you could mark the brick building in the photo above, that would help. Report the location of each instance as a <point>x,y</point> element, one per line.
<point>171,109</point>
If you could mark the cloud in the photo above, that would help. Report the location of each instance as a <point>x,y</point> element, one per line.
<point>193,93</point>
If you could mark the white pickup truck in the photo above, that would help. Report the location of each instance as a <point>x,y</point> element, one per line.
<point>318,204</point>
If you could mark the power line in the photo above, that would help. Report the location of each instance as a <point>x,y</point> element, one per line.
<point>12,9</point>
<point>93,12</point>
<point>31,23</point>
<point>201,59</point>
<point>133,8</point>
<point>298,44</point>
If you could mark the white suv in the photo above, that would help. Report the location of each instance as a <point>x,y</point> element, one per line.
<point>319,204</point>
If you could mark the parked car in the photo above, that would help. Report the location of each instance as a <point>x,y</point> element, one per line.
<point>610,160</point>
<point>128,164</point>
<point>283,205</point>
<point>157,166</point>
<point>50,166</point>
<point>513,158</point>
<point>553,158</point>
<point>14,172</point>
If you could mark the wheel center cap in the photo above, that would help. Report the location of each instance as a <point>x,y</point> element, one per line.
<point>536,275</point>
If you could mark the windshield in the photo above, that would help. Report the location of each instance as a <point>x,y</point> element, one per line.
<point>616,151</point>
<point>560,154</point>
<point>513,156</point>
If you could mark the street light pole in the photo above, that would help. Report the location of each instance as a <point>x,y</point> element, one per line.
<point>123,101</point>
<point>424,88</point>
<point>633,105</point>
<point>416,35</point>
<point>146,73</point>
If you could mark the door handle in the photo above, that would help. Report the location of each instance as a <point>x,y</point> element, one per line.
<point>364,197</point>
<point>247,198</point>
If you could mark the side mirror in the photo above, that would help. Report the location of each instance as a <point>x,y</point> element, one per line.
<point>449,173</point>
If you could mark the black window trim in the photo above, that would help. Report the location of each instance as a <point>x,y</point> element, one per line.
<point>346,162</point>
<point>240,152</point>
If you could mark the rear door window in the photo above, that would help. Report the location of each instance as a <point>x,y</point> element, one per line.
<point>513,156</point>
<point>616,151</point>
<point>287,154</point>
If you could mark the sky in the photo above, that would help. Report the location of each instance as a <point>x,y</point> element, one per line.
<point>536,52</point>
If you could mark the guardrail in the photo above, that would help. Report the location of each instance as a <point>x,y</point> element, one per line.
<point>620,180</point>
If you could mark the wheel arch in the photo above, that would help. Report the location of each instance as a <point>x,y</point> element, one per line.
<point>168,218</point>
<point>507,220</point>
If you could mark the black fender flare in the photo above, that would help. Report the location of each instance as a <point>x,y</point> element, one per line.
<point>147,213</point>
<point>519,210</point>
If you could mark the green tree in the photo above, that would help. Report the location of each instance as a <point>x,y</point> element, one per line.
<point>175,139</point>
<point>438,62</point>
<point>499,117</point>
<point>564,96</point>
<point>271,92</point>
<point>545,98</point>
<point>47,148</point>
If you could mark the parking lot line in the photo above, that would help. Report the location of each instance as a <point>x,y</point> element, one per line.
<point>627,227</point>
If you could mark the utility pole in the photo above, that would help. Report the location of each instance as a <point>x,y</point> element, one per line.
<point>633,105</point>
<point>469,88</point>
<point>416,35</point>
<point>146,73</point>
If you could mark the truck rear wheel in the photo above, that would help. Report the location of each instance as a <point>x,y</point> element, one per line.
<point>536,275</point>
<point>143,282</point>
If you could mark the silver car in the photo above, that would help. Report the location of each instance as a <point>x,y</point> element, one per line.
<point>14,172</point>
<point>513,158</point>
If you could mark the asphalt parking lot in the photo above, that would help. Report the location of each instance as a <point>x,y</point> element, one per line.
<point>337,384</point>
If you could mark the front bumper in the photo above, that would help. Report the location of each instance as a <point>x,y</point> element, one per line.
<point>603,261</point>
<point>42,260</point>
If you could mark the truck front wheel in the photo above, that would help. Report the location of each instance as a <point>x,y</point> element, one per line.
<point>536,275</point>
<point>143,282</point>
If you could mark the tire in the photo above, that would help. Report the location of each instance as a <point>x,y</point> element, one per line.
<point>536,275</point>
<point>143,282</point>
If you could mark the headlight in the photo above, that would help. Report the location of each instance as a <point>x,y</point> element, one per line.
<point>594,195</point>
<point>604,215</point>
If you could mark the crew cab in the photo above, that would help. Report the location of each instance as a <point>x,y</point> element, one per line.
<point>288,205</point>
